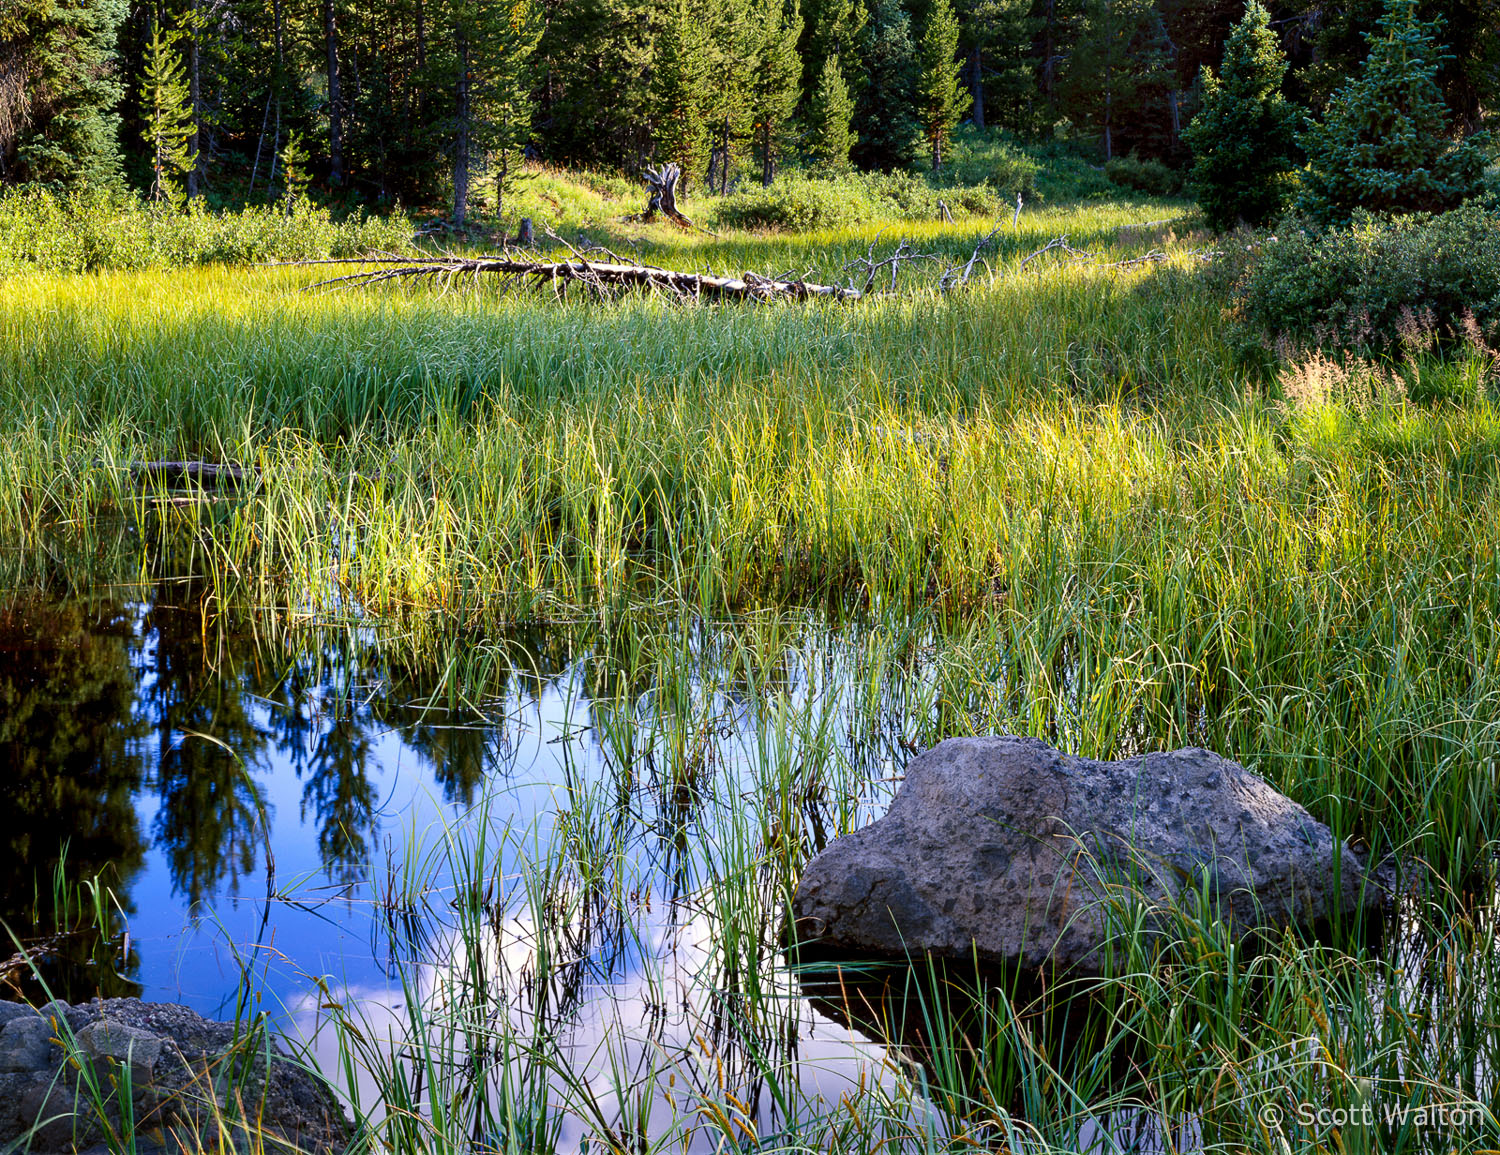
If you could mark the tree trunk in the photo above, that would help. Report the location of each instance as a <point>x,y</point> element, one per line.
<point>335,101</point>
<point>260,145</point>
<point>1049,68</point>
<point>195,103</point>
<point>461,140</point>
<point>1109,144</point>
<point>977,85</point>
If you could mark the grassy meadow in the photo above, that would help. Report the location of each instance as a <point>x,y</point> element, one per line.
<point>1066,499</point>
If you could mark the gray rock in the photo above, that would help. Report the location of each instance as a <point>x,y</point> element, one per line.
<point>26,1044</point>
<point>105,1039</point>
<point>9,1011</point>
<point>178,1089</point>
<point>1005,847</point>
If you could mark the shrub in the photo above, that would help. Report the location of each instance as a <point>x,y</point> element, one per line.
<point>1374,284</point>
<point>85,231</point>
<point>797,202</point>
<point>977,156</point>
<point>1151,177</point>
<point>1244,137</point>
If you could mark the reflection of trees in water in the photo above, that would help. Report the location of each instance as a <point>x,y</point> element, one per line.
<point>339,791</point>
<point>67,730</point>
<point>208,745</point>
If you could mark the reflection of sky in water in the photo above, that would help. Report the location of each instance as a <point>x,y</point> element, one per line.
<point>359,773</point>
<point>355,781</point>
<point>324,922</point>
<point>649,1031</point>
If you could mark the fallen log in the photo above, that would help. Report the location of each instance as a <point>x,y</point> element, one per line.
<point>203,473</point>
<point>601,277</point>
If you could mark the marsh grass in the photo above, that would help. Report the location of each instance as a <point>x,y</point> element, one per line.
<point>1054,503</point>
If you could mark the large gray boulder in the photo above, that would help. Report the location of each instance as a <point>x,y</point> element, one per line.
<point>193,1084</point>
<point>1006,848</point>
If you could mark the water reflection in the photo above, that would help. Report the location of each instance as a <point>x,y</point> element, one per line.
<point>71,771</point>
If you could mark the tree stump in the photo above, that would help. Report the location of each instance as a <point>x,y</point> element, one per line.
<point>526,233</point>
<point>661,194</point>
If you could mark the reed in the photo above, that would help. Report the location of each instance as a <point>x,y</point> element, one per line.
<point>797,543</point>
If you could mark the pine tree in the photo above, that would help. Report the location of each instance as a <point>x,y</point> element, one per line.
<point>492,42</point>
<point>1244,137</point>
<point>830,28</point>
<point>828,115</point>
<point>168,120</point>
<point>1121,58</point>
<point>1383,143</point>
<point>883,113</point>
<point>775,81</point>
<point>293,162</point>
<point>941,99</point>
<point>1001,63</point>
<point>59,120</point>
<point>679,89</point>
<point>734,33</point>
<point>595,62</point>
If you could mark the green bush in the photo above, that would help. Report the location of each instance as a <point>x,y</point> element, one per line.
<point>1069,173</point>
<point>85,231</point>
<point>797,202</point>
<point>979,156</point>
<point>1377,283</point>
<point>1151,177</point>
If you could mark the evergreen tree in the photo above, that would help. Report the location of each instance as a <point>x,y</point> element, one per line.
<point>1383,143</point>
<point>680,89</point>
<point>1119,64</point>
<point>490,82</point>
<point>828,115</point>
<point>293,162</point>
<point>1001,66</point>
<point>168,120</point>
<point>775,81</point>
<point>941,99</point>
<point>59,124</point>
<point>734,32</point>
<point>830,28</point>
<point>1244,137</point>
<point>595,64</point>
<point>1468,70</point>
<point>883,117</point>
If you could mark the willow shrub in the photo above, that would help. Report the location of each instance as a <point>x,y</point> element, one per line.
<point>91,231</point>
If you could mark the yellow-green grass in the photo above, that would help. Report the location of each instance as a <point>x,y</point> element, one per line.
<point>1060,487</point>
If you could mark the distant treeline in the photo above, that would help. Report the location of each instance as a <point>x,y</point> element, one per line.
<point>415,102</point>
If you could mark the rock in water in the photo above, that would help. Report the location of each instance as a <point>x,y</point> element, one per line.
<point>1006,848</point>
<point>194,1085</point>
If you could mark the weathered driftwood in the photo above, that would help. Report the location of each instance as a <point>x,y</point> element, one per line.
<point>203,473</point>
<point>602,277</point>
<point>661,194</point>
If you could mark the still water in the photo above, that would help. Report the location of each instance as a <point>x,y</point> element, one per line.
<point>274,813</point>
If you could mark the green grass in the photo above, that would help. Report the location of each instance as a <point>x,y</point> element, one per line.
<point>1058,501</point>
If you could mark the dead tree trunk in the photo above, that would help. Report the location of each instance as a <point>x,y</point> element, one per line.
<point>461,143</point>
<point>661,194</point>
<point>604,278</point>
<point>335,98</point>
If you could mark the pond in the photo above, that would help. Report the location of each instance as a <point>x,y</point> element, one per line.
<point>534,881</point>
<point>585,827</point>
